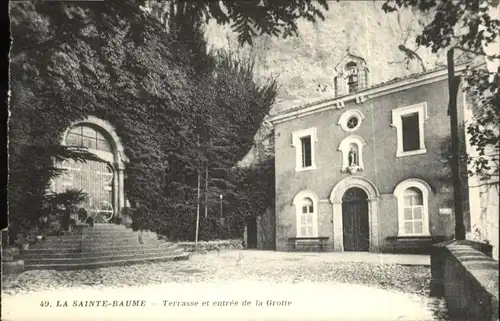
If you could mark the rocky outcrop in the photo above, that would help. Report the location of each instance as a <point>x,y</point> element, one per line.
<point>304,65</point>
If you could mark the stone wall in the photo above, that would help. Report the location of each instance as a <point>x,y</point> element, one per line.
<point>469,282</point>
<point>217,245</point>
<point>10,264</point>
<point>483,198</point>
<point>484,208</point>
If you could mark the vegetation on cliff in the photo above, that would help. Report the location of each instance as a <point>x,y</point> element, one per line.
<point>178,110</point>
<point>469,27</point>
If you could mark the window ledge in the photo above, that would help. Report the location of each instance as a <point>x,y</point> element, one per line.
<point>305,169</point>
<point>299,238</point>
<point>411,153</point>
<point>403,237</point>
<point>417,239</point>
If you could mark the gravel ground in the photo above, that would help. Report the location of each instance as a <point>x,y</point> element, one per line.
<point>231,265</point>
<point>289,268</point>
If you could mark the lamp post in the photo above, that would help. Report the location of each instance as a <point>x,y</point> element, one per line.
<point>221,205</point>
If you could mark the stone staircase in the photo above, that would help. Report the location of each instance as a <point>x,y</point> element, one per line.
<point>99,246</point>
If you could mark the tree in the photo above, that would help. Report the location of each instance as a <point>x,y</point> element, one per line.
<point>158,88</point>
<point>247,18</point>
<point>467,26</point>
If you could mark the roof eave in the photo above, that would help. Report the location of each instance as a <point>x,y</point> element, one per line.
<point>371,92</point>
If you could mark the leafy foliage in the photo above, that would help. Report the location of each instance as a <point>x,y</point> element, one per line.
<point>256,189</point>
<point>247,18</point>
<point>30,173</point>
<point>178,110</point>
<point>468,26</point>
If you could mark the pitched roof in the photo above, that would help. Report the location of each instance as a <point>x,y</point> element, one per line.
<point>360,92</point>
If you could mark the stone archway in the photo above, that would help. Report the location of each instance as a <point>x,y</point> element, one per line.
<point>113,156</point>
<point>336,199</point>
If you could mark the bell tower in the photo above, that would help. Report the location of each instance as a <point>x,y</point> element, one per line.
<point>352,75</point>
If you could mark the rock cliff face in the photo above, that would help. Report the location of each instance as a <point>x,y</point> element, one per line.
<point>305,65</point>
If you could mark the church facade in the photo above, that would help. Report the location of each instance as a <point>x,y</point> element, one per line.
<point>365,171</point>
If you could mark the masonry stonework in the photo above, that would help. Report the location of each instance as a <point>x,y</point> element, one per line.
<point>382,169</point>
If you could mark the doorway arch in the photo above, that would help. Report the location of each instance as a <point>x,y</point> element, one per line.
<point>372,198</point>
<point>102,181</point>
<point>355,223</point>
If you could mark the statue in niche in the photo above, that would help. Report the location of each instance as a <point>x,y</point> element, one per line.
<point>352,157</point>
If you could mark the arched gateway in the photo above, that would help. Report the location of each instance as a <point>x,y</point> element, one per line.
<point>355,215</point>
<point>102,181</point>
<point>355,223</point>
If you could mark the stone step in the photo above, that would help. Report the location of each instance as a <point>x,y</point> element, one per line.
<point>101,233</point>
<point>95,259</point>
<point>110,253</point>
<point>106,263</point>
<point>96,228</point>
<point>123,233</point>
<point>101,236</point>
<point>96,242</point>
<point>103,226</point>
<point>79,249</point>
<point>99,246</point>
<point>104,253</point>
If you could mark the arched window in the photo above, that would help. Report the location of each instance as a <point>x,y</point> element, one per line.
<point>306,204</point>
<point>306,217</point>
<point>413,209</point>
<point>352,76</point>
<point>83,135</point>
<point>413,215</point>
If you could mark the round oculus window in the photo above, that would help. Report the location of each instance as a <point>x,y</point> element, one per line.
<point>352,122</point>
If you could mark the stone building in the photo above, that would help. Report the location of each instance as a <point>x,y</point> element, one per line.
<point>365,171</point>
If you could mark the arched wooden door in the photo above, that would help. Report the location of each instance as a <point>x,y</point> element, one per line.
<point>355,225</point>
<point>95,178</point>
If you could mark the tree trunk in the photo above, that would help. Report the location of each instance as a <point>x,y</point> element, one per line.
<point>453,85</point>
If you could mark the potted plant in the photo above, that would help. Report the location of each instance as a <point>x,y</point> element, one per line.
<point>126,217</point>
<point>67,203</point>
<point>117,220</point>
<point>22,241</point>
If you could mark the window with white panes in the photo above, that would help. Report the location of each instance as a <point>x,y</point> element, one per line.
<point>306,211</point>
<point>413,208</point>
<point>413,213</point>
<point>306,218</point>
<point>89,137</point>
